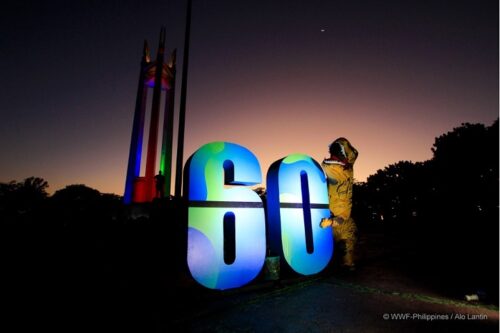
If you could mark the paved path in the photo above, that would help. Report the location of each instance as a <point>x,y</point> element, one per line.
<point>329,304</point>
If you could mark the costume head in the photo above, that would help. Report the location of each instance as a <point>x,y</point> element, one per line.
<point>342,150</point>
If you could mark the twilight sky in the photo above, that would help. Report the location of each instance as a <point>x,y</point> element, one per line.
<point>277,77</point>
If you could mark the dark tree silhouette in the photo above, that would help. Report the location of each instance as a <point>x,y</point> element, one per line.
<point>76,193</point>
<point>466,165</point>
<point>449,204</point>
<point>80,204</point>
<point>20,199</point>
<point>394,194</point>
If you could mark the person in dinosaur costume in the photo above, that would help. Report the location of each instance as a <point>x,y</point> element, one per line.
<point>339,172</point>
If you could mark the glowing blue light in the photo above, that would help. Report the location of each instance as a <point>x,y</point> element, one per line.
<point>218,173</point>
<point>297,199</point>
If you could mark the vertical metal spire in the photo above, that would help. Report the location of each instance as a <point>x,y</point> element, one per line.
<point>155,115</point>
<point>182,106</point>
<point>135,154</point>
<point>168,126</point>
<point>146,57</point>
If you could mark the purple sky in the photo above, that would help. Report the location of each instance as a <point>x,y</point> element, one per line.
<point>388,75</point>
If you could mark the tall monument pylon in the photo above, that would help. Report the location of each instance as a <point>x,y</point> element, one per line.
<point>159,76</point>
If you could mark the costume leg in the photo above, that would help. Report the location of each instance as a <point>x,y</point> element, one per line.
<point>350,242</point>
<point>346,232</point>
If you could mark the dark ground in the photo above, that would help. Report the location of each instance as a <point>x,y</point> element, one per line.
<point>341,301</point>
<point>122,279</point>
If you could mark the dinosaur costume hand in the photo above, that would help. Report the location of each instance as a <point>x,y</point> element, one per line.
<point>325,222</point>
<point>331,221</point>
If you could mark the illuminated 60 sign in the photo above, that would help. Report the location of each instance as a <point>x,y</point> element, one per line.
<point>221,201</point>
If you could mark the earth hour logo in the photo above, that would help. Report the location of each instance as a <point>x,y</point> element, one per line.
<point>220,200</point>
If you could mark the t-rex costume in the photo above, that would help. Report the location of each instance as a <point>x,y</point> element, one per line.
<point>339,172</point>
